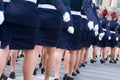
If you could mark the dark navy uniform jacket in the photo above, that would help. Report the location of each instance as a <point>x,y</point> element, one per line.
<point>1,5</point>
<point>104,23</point>
<point>96,14</point>
<point>67,5</point>
<point>6,2</point>
<point>78,5</point>
<point>57,3</point>
<point>62,6</point>
<point>118,31</point>
<point>113,26</point>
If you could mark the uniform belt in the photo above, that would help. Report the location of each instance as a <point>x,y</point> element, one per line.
<point>84,16</point>
<point>6,1</point>
<point>34,1</point>
<point>76,13</point>
<point>112,32</point>
<point>47,6</point>
<point>104,29</point>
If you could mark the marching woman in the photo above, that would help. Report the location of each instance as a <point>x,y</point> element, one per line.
<point>19,32</point>
<point>76,7</point>
<point>104,42</point>
<point>63,39</point>
<point>51,15</point>
<point>117,49</point>
<point>13,53</point>
<point>84,39</point>
<point>1,21</point>
<point>94,37</point>
<point>114,39</point>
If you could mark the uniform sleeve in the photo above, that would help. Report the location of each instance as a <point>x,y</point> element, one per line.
<point>59,5</point>
<point>116,30</point>
<point>108,29</point>
<point>90,13</point>
<point>1,5</point>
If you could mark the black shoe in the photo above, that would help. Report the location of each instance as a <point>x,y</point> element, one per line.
<point>8,63</point>
<point>118,55</point>
<point>77,71</point>
<point>102,61</point>
<point>106,58</point>
<point>39,55</point>
<point>42,70</point>
<point>117,59</point>
<point>56,79</point>
<point>74,74</point>
<point>64,77</point>
<point>21,55</point>
<point>35,71</point>
<point>85,62</point>
<point>40,65</point>
<point>62,59</point>
<point>111,61</point>
<point>69,78</point>
<point>4,77</point>
<point>12,75</point>
<point>18,57</point>
<point>96,56</point>
<point>93,61</point>
<point>83,65</point>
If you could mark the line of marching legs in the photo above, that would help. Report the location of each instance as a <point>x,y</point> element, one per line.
<point>80,59</point>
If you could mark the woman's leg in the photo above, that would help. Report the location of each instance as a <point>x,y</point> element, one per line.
<point>72,62</point>
<point>4,53</point>
<point>58,57</point>
<point>13,55</point>
<point>29,64</point>
<point>49,61</point>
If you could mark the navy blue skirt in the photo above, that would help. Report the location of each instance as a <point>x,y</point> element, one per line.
<point>118,44</point>
<point>50,29</point>
<point>74,42</point>
<point>94,39</point>
<point>104,42</point>
<point>87,42</point>
<point>85,33</point>
<point>18,36</point>
<point>64,39</point>
<point>112,42</point>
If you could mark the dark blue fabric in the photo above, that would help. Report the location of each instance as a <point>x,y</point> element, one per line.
<point>52,23</point>
<point>104,23</point>
<point>113,27</point>
<point>18,36</point>
<point>65,37</point>
<point>112,42</point>
<point>1,5</point>
<point>57,3</point>
<point>76,5</point>
<point>22,13</point>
